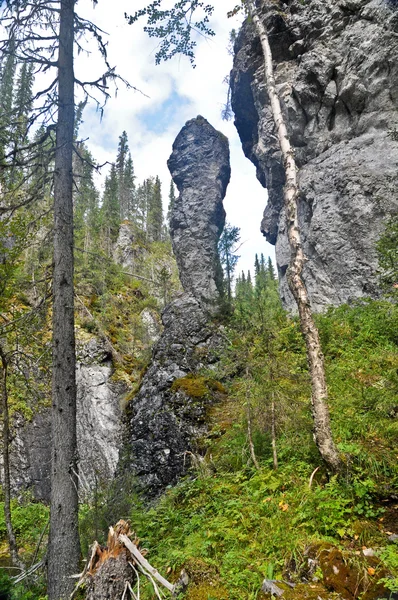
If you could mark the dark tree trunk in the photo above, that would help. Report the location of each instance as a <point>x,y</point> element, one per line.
<point>12,542</point>
<point>64,548</point>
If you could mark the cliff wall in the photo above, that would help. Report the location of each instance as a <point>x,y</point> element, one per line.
<point>336,67</point>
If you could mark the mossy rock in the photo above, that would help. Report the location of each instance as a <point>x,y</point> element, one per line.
<point>350,575</point>
<point>193,386</point>
<point>207,591</point>
<point>307,591</point>
<point>204,581</point>
<point>198,387</point>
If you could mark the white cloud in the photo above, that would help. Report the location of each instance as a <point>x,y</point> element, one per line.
<point>152,126</point>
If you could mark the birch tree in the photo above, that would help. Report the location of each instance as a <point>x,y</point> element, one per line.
<point>320,412</point>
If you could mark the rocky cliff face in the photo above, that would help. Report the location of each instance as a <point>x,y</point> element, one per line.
<point>99,429</point>
<point>169,412</point>
<point>336,66</point>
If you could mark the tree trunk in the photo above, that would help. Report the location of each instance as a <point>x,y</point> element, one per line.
<point>273,432</point>
<point>249,423</point>
<point>320,412</point>
<point>64,548</point>
<point>12,542</point>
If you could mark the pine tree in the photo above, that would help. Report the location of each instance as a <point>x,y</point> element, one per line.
<point>122,155</point>
<point>155,213</point>
<point>129,189</point>
<point>110,210</point>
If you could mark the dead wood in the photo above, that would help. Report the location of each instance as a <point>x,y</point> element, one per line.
<point>114,570</point>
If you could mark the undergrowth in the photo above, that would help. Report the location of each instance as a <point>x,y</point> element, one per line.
<point>240,525</point>
<point>231,525</point>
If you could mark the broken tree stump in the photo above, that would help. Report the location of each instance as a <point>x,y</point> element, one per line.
<point>109,572</point>
<point>113,570</point>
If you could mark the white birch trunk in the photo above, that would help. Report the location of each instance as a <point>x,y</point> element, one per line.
<point>320,412</point>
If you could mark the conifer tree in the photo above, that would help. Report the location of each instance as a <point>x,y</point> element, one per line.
<point>227,248</point>
<point>121,158</point>
<point>144,191</point>
<point>155,212</point>
<point>129,189</point>
<point>270,269</point>
<point>110,210</point>
<point>23,103</point>
<point>172,199</point>
<point>86,206</point>
<point>6,99</point>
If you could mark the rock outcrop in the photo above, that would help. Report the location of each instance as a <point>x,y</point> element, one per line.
<point>199,166</point>
<point>336,67</point>
<point>99,416</point>
<point>99,429</point>
<point>169,412</point>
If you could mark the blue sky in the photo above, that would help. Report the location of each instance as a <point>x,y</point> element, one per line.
<point>174,93</point>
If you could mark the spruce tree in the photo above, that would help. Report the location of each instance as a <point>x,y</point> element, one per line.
<point>155,213</point>
<point>129,189</point>
<point>227,247</point>
<point>271,270</point>
<point>6,100</point>
<point>144,191</point>
<point>172,199</point>
<point>110,210</point>
<point>122,154</point>
<point>86,207</point>
<point>23,103</point>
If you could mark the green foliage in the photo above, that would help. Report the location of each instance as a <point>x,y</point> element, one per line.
<point>110,502</point>
<point>230,525</point>
<point>174,26</point>
<point>387,250</point>
<point>29,519</point>
<point>389,556</point>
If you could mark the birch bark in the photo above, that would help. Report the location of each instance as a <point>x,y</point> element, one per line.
<point>320,412</point>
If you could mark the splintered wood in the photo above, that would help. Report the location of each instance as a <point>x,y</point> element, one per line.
<point>114,571</point>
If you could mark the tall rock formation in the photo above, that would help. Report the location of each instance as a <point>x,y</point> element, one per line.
<point>336,67</point>
<point>169,412</point>
<point>199,166</point>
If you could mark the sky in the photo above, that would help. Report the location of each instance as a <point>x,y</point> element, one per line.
<point>172,93</point>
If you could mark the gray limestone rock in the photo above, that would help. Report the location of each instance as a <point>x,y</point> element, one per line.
<point>336,67</point>
<point>152,326</point>
<point>200,168</point>
<point>165,419</point>
<point>126,251</point>
<point>99,429</point>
